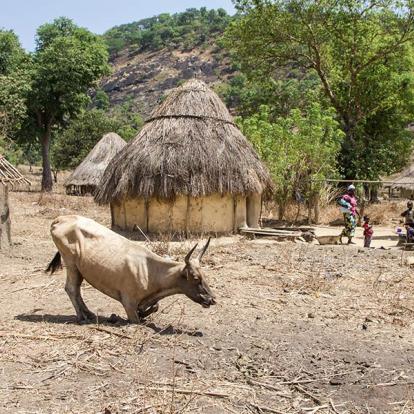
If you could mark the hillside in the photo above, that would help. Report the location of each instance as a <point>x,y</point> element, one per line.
<point>151,56</point>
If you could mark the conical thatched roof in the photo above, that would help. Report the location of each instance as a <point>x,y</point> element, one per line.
<point>89,172</point>
<point>9,174</point>
<point>190,146</point>
<point>405,179</point>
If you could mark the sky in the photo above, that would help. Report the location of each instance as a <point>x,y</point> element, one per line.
<point>25,16</point>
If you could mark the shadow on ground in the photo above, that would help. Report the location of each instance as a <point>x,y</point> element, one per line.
<point>113,320</point>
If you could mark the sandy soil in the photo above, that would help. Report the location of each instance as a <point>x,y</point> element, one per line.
<point>298,328</point>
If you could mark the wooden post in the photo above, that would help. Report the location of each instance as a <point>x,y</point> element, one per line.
<point>5,236</point>
<point>316,207</point>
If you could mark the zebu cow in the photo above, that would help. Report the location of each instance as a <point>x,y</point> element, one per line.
<point>123,270</point>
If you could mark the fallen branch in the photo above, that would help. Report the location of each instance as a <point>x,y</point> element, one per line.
<point>310,395</point>
<point>333,407</point>
<point>183,391</point>
<point>268,409</point>
<point>121,335</point>
<point>269,387</point>
<point>313,410</point>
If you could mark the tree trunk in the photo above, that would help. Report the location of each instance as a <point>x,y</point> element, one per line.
<point>47,180</point>
<point>316,208</point>
<point>281,210</point>
<point>5,237</point>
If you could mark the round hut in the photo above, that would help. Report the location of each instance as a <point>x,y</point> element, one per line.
<point>404,181</point>
<point>189,170</point>
<point>89,172</point>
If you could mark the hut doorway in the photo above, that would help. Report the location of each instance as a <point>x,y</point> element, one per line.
<point>253,208</point>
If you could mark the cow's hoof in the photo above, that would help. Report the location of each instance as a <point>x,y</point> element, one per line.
<point>87,317</point>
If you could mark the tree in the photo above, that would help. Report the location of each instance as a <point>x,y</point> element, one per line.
<point>14,86</point>
<point>280,96</point>
<point>73,144</point>
<point>300,150</point>
<point>101,100</point>
<point>362,55</point>
<point>67,62</point>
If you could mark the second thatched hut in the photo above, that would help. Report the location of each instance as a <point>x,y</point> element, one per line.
<point>404,181</point>
<point>189,170</point>
<point>89,172</point>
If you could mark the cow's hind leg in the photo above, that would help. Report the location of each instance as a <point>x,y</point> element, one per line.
<point>73,282</point>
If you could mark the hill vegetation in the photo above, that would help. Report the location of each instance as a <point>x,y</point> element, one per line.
<point>186,30</point>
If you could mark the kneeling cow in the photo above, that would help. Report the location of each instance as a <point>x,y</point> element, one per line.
<point>123,270</point>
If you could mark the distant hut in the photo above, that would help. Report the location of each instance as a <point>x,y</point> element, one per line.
<point>189,170</point>
<point>89,172</point>
<point>404,181</point>
<point>9,176</point>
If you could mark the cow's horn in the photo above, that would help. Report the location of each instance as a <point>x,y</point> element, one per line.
<point>187,258</point>
<point>200,256</point>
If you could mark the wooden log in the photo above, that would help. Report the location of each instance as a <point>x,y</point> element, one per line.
<point>5,236</point>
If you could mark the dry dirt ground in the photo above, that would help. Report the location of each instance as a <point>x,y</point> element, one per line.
<point>298,328</point>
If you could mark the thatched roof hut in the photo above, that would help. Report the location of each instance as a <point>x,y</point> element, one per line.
<point>404,181</point>
<point>89,172</point>
<point>189,169</point>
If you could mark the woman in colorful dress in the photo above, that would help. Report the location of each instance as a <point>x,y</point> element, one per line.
<point>348,204</point>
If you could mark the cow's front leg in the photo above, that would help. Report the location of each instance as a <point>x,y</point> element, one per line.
<point>131,309</point>
<point>73,282</point>
<point>143,313</point>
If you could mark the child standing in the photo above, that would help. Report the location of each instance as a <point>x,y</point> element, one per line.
<point>368,232</point>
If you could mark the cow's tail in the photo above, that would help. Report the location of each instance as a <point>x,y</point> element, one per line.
<point>55,264</point>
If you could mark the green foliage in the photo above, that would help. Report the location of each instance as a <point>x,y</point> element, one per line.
<point>14,87</point>
<point>74,143</point>
<point>362,54</point>
<point>68,61</point>
<point>11,53</point>
<point>187,30</point>
<point>80,136</point>
<point>101,100</point>
<point>293,90</point>
<point>300,149</point>
<point>130,121</point>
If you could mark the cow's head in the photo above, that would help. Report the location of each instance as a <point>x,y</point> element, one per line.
<point>193,282</point>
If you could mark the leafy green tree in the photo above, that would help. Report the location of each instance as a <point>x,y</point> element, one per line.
<point>101,100</point>
<point>245,95</point>
<point>362,55</point>
<point>14,87</point>
<point>300,150</point>
<point>73,144</point>
<point>67,62</point>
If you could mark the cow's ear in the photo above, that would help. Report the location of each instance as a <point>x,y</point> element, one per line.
<point>185,273</point>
